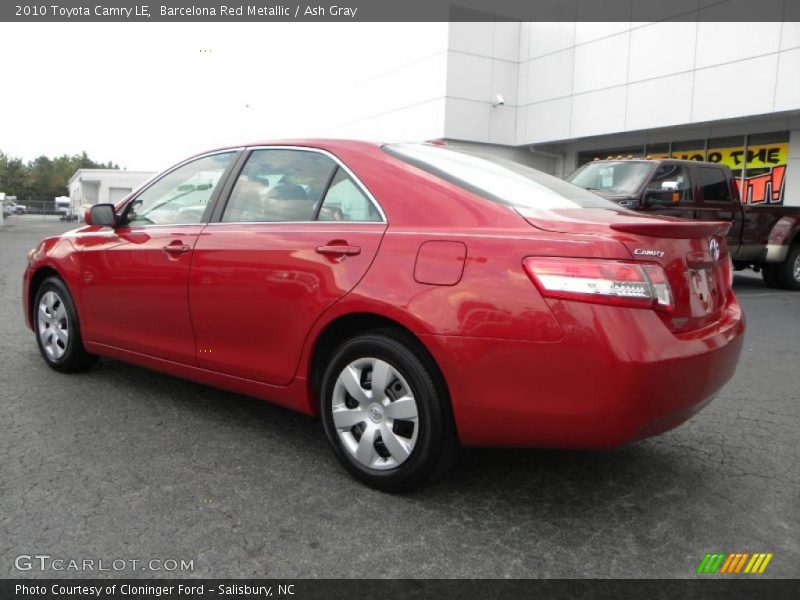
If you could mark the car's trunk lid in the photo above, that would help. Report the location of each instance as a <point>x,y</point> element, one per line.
<point>693,254</point>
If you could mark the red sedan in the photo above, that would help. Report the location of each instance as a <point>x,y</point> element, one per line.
<point>416,297</point>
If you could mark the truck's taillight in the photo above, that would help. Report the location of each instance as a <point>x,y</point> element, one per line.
<point>601,281</point>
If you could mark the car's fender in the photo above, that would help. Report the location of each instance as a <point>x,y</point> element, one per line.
<point>57,254</point>
<point>785,231</point>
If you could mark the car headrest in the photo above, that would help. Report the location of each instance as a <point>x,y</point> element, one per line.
<point>287,191</point>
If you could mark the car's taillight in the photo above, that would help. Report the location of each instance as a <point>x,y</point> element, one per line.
<point>638,285</point>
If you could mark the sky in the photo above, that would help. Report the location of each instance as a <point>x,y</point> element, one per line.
<point>148,95</point>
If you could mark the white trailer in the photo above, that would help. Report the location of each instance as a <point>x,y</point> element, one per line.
<point>65,209</point>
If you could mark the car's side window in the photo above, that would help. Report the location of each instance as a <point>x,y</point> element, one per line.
<point>714,184</point>
<point>279,185</point>
<point>672,178</point>
<point>181,196</point>
<point>344,201</point>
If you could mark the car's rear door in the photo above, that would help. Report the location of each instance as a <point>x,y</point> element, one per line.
<point>136,276</point>
<point>294,232</point>
<point>720,202</point>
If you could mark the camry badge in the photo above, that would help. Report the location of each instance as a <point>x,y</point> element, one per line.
<point>713,245</point>
<point>645,252</point>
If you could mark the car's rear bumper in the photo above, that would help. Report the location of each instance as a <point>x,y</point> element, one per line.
<point>616,376</point>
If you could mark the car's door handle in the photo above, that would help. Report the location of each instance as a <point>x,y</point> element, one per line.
<point>339,250</point>
<point>177,247</point>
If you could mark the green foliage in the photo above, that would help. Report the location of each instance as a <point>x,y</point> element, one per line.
<point>43,177</point>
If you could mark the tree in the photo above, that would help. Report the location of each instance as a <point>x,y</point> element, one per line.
<point>43,177</point>
<point>13,176</point>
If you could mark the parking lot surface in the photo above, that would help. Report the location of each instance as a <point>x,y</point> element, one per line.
<point>123,463</point>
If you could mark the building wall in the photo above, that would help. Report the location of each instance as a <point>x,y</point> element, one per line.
<point>482,62</point>
<point>566,80</point>
<point>584,79</point>
<point>593,85</point>
<point>544,161</point>
<point>792,191</point>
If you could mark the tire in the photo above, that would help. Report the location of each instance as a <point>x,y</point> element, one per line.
<point>409,428</point>
<point>789,269</point>
<point>57,329</point>
<point>770,274</point>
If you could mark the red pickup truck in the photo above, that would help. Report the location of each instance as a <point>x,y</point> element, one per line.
<point>765,236</point>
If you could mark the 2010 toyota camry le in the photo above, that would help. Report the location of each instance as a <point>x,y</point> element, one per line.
<point>416,297</point>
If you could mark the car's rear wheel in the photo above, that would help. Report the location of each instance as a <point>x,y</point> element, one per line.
<point>386,412</point>
<point>789,269</point>
<point>57,328</point>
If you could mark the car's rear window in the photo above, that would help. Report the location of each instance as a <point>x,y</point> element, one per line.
<point>500,180</point>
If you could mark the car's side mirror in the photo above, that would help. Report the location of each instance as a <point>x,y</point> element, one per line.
<point>653,198</point>
<point>101,215</point>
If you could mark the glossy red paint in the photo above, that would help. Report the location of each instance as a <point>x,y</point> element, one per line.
<point>440,262</point>
<point>133,289</point>
<point>271,278</point>
<point>243,307</point>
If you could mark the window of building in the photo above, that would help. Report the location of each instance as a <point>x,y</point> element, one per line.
<point>727,151</point>
<point>765,168</point>
<point>660,150</point>
<point>689,150</point>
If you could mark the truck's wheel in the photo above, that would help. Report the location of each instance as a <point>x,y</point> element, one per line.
<point>789,269</point>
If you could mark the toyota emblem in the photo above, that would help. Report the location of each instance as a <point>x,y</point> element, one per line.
<point>713,245</point>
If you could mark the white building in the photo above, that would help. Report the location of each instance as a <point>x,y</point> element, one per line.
<point>93,186</point>
<point>575,90</point>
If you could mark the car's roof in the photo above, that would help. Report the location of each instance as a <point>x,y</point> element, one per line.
<point>332,145</point>
<point>322,143</point>
<point>688,163</point>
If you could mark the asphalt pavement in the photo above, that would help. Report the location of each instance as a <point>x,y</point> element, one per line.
<point>121,463</point>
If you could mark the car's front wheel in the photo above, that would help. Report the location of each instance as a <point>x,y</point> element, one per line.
<point>386,412</point>
<point>57,328</point>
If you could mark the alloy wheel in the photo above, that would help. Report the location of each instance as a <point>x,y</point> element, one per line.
<point>53,325</point>
<point>796,269</point>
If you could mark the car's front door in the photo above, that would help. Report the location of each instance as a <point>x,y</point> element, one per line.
<point>297,233</point>
<point>136,276</point>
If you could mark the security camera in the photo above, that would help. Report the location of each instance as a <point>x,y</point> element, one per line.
<point>498,100</point>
